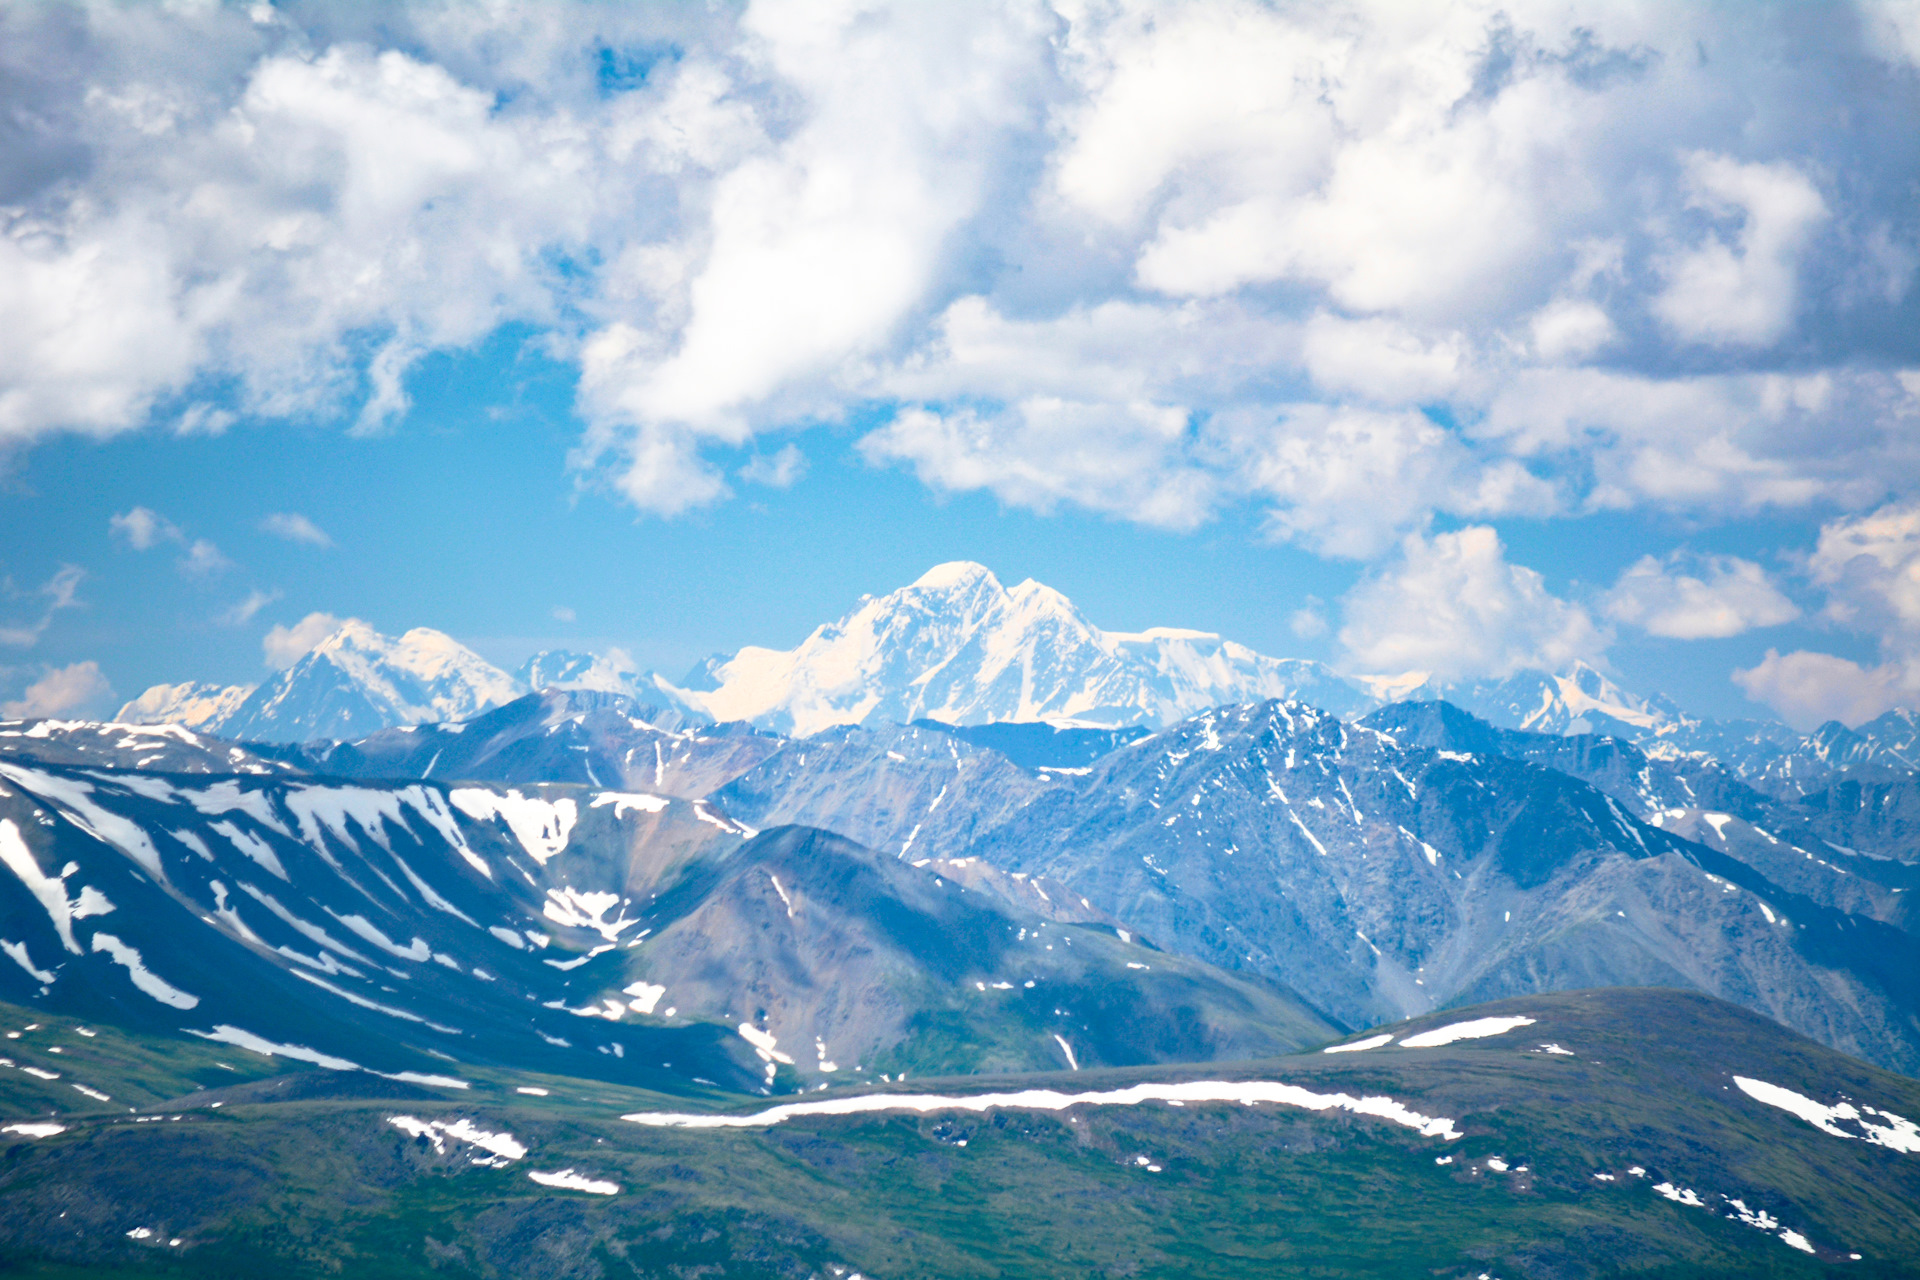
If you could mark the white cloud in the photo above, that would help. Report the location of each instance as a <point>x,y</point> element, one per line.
<point>1453,606</point>
<point>295,527</point>
<point>780,470</point>
<point>1721,444</point>
<point>1570,329</point>
<point>561,613</point>
<point>1893,29</point>
<point>1128,460</point>
<point>77,687</point>
<point>62,591</point>
<point>1350,482</point>
<point>203,560</point>
<point>242,612</point>
<point>1309,622</point>
<point>1733,596</point>
<point>818,246</point>
<point>144,528</point>
<point>1380,361</point>
<point>1808,688</point>
<point>1743,293</point>
<point>1870,567</point>
<point>283,646</point>
<point>1220,212</point>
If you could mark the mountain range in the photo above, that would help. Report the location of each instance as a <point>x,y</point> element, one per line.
<point>959,648</point>
<point>578,897</point>
<point>1372,870</point>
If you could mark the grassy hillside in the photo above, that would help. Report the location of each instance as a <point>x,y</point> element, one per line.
<point>306,1175</point>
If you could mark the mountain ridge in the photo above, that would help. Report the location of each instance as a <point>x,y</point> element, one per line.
<point>957,647</point>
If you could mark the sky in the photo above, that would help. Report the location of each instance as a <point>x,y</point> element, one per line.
<point>1460,338</point>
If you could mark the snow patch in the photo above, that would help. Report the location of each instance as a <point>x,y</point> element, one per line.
<point>1477,1029</point>
<point>1371,1042</point>
<point>625,800</point>
<point>1867,1124</point>
<point>128,958</point>
<point>1245,1092</point>
<point>568,1180</point>
<point>28,1130</point>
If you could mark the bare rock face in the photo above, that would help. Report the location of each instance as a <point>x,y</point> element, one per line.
<point>1377,877</point>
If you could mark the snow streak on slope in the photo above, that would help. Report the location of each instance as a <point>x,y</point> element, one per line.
<point>1245,1092</point>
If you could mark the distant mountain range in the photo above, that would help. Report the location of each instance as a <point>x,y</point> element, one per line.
<point>958,648</point>
<point>1418,858</point>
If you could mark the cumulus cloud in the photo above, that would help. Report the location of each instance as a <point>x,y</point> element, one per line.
<point>1869,566</point>
<point>1123,459</point>
<point>1628,274</point>
<point>203,560</point>
<point>144,528</point>
<point>1348,482</point>
<point>1741,293</point>
<point>779,470</point>
<point>283,646</point>
<point>1309,621</point>
<point>1453,606</point>
<point>78,687</point>
<point>295,527</point>
<point>1725,597</point>
<point>1809,688</point>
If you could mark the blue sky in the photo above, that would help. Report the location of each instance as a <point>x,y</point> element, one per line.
<point>1481,337</point>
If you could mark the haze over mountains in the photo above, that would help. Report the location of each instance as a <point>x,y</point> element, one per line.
<point>960,831</point>
<point>1396,857</point>
<point>1354,841</point>
<point>959,648</point>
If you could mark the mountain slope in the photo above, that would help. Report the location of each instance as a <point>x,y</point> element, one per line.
<point>556,735</point>
<point>1582,1135</point>
<point>164,748</point>
<point>669,707</point>
<point>423,928</point>
<point>857,957</point>
<point>1851,845</point>
<point>1376,878</point>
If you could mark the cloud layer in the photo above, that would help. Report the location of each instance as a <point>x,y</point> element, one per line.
<point>1361,267</point>
<point>1638,257</point>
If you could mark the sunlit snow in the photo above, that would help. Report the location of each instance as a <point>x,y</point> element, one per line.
<point>129,959</point>
<point>1476,1029</point>
<point>1371,1042</point>
<point>1882,1128</point>
<point>1245,1092</point>
<point>568,1180</point>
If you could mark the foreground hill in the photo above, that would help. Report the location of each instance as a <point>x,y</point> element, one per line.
<point>1612,1133</point>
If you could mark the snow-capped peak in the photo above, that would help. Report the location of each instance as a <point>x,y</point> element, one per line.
<point>957,646</point>
<point>355,681</point>
<point>194,704</point>
<point>957,575</point>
